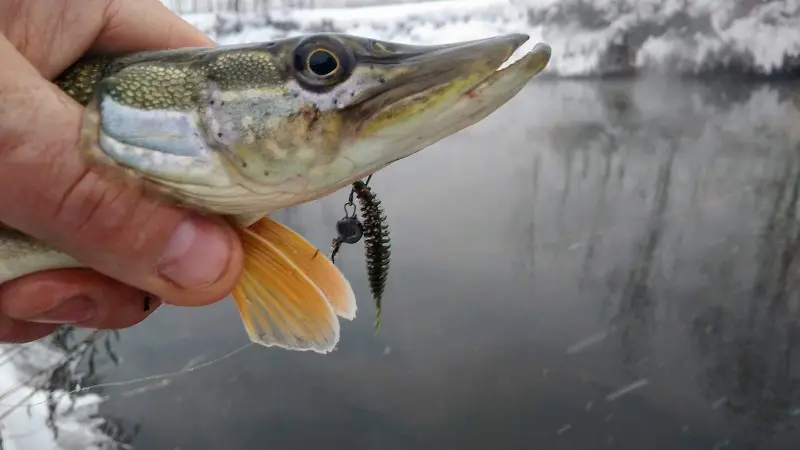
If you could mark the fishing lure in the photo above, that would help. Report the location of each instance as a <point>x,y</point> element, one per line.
<point>375,231</point>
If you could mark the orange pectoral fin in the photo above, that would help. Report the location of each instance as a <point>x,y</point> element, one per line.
<point>279,303</point>
<point>312,263</point>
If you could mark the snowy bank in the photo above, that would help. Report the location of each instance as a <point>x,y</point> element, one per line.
<point>35,411</point>
<point>589,37</point>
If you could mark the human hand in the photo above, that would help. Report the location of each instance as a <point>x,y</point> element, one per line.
<point>49,192</point>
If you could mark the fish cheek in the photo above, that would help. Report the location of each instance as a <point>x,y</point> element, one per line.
<point>289,147</point>
<point>243,125</point>
<point>320,133</point>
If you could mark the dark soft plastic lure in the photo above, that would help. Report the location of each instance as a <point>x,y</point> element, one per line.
<point>376,243</point>
<point>372,227</point>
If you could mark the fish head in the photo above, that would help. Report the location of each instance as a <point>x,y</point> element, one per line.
<point>257,127</point>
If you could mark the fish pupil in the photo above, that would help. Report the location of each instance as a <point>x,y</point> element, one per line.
<point>322,63</point>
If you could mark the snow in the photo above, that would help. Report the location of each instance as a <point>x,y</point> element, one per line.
<point>25,411</point>
<point>589,37</point>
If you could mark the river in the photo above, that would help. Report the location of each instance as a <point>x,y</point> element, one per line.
<point>599,264</point>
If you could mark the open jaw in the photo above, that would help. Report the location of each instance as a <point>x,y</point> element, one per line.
<point>524,68</point>
<point>494,91</point>
<point>438,82</point>
<point>494,88</point>
<point>475,101</point>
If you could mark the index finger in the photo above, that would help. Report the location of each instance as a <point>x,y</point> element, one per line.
<point>67,29</point>
<point>131,27</point>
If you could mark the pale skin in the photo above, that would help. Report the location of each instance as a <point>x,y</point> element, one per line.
<point>134,243</point>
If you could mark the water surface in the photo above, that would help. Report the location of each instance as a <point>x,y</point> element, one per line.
<point>604,264</point>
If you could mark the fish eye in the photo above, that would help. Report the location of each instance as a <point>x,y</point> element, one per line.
<point>322,62</point>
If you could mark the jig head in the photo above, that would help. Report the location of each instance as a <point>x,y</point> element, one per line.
<point>375,231</point>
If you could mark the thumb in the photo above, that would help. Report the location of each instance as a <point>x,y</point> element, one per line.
<point>47,191</point>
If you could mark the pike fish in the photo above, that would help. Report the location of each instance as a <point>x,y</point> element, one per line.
<point>244,130</point>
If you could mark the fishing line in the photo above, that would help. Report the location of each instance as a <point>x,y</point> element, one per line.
<point>85,389</point>
<point>7,355</point>
<point>78,353</point>
<point>167,374</point>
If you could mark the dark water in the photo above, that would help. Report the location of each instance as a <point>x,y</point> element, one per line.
<point>607,264</point>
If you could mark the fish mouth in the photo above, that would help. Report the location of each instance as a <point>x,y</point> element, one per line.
<point>529,65</point>
<point>431,71</point>
<point>419,83</point>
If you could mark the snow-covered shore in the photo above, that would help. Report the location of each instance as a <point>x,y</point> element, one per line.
<point>589,37</point>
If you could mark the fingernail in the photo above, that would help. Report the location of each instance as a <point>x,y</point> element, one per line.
<point>74,310</point>
<point>197,254</point>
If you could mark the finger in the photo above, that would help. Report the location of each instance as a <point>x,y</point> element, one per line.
<point>112,227</point>
<point>52,34</point>
<point>14,331</point>
<point>78,297</point>
<point>135,25</point>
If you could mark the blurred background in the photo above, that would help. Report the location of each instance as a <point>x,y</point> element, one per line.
<point>608,261</point>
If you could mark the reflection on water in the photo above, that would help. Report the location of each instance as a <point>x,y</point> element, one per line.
<point>597,265</point>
